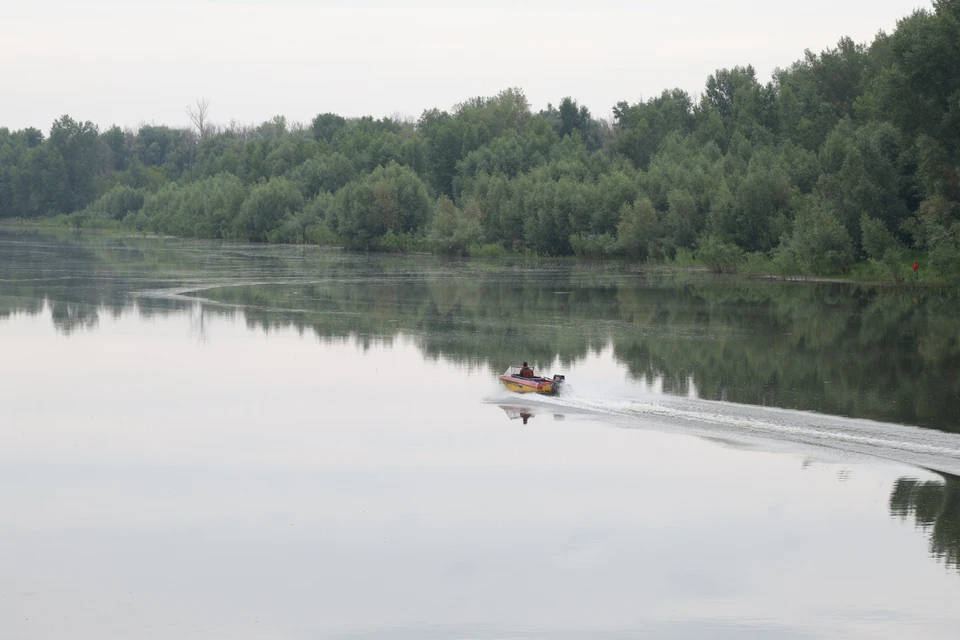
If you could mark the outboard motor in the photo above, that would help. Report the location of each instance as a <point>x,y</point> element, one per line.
<point>557,381</point>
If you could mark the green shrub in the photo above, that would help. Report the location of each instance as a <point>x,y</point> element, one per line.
<point>945,255</point>
<point>887,256</point>
<point>391,242</point>
<point>819,244</point>
<point>683,257</point>
<point>717,255</point>
<point>117,203</point>
<point>587,245</point>
<point>391,199</point>
<point>491,250</point>
<point>160,208</point>
<point>454,231</point>
<point>757,263</point>
<point>266,208</point>
<point>290,231</point>
<point>137,221</point>
<point>320,234</point>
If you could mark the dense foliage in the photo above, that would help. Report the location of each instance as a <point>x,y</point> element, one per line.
<point>850,155</point>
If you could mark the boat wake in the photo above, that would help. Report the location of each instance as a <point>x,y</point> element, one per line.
<point>767,428</point>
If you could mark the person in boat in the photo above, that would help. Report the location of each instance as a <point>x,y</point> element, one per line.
<point>525,371</point>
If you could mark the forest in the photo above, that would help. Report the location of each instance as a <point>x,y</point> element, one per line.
<point>847,159</point>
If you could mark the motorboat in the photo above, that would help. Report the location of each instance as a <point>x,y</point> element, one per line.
<point>513,381</point>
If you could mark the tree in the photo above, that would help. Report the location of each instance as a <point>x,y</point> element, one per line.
<point>638,228</point>
<point>117,203</point>
<point>572,117</point>
<point>266,207</point>
<point>117,154</point>
<point>761,207</point>
<point>32,136</point>
<point>200,117</point>
<point>326,126</point>
<point>157,146</point>
<point>683,222</point>
<point>78,144</point>
<point>391,199</point>
<point>884,250</point>
<point>321,173</point>
<point>818,244</point>
<point>454,231</point>
<point>741,101</point>
<point>641,128</point>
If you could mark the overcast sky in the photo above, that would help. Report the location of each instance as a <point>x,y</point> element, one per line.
<point>133,62</point>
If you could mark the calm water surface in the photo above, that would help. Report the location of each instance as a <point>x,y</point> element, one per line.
<point>203,440</point>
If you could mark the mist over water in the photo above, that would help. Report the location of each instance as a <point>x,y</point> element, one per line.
<point>214,440</point>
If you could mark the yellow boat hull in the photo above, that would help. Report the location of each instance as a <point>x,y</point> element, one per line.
<point>545,389</point>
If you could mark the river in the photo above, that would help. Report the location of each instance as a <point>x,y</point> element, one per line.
<point>213,440</point>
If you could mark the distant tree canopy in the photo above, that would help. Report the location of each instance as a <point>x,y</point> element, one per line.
<point>859,138</point>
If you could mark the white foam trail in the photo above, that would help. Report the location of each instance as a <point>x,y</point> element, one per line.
<point>903,443</point>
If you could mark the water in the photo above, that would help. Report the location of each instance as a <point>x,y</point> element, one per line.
<point>207,441</point>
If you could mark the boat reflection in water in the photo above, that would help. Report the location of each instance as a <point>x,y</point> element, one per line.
<point>523,413</point>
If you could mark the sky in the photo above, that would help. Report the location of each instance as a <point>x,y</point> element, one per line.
<point>135,62</point>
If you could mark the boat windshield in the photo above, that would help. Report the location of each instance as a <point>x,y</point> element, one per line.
<point>514,370</point>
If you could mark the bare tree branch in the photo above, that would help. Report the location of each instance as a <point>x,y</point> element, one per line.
<point>200,117</point>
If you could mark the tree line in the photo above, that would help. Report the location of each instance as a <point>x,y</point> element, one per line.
<point>847,156</point>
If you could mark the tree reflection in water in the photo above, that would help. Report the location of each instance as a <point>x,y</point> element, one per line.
<point>935,507</point>
<point>882,353</point>
<point>886,354</point>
